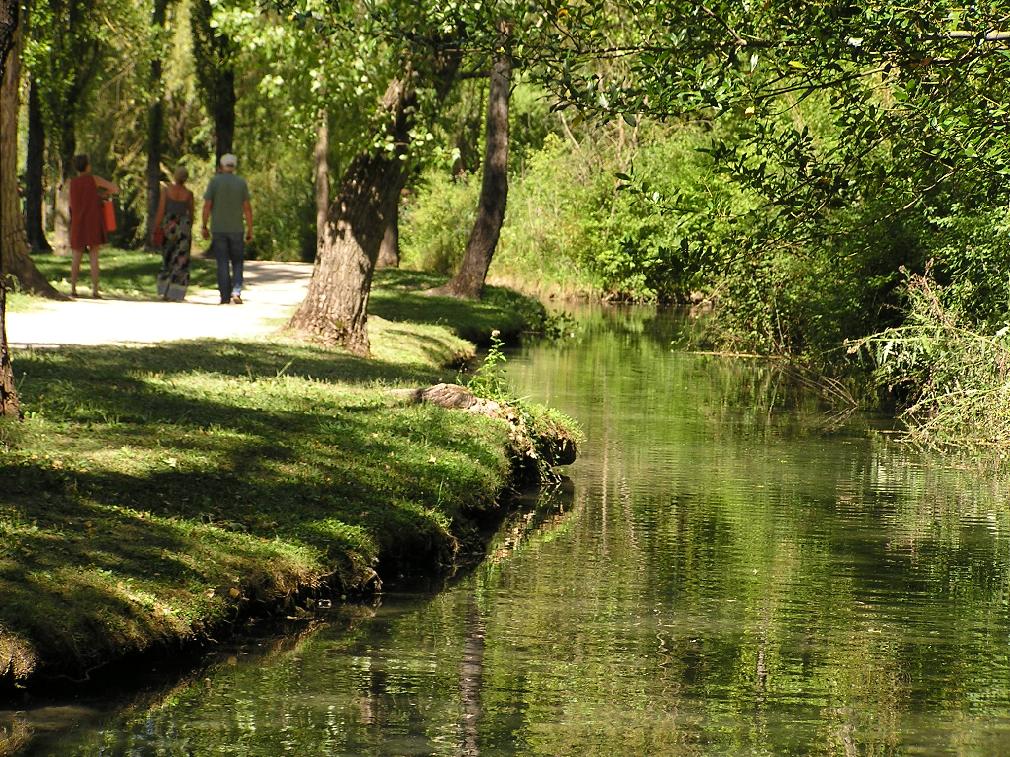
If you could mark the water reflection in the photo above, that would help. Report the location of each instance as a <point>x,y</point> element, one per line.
<point>727,574</point>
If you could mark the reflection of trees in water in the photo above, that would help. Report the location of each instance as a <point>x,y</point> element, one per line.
<point>471,682</point>
<point>834,573</point>
<point>231,700</point>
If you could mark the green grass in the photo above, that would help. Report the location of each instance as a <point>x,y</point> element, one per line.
<point>125,275</point>
<point>152,492</point>
<point>398,295</point>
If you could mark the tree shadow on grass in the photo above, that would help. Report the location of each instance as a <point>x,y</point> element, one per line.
<point>148,475</point>
<point>102,551</point>
<point>255,360</point>
<point>164,470</point>
<point>88,583</point>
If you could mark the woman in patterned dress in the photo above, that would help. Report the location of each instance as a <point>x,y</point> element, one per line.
<point>174,221</point>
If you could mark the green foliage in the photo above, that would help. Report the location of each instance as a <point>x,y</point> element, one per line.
<point>436,222</point>
<point>970,253</point>
<point>75,46</point>
<point>866,137</point>
<point>569,228</point>
<point>953,377</point>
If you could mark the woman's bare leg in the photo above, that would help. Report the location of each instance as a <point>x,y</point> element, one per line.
<point>93,254</point>
<point>75,270</point>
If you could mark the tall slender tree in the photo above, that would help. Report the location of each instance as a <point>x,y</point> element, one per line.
<point>389,247</point>
<point>480,247</point>
<point>321,159</point>
<point>35,165</point>
<point>9,405</point>
<point>155,117</point>
<point>214,58</point>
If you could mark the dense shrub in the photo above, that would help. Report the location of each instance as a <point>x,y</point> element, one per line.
<point>435,223</point>
<point>574,226</point>
<point>953,374</point>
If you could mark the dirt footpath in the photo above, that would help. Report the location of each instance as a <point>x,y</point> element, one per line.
<point>270,292</point>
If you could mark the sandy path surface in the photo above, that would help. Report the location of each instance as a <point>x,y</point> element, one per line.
<point>270,293</point>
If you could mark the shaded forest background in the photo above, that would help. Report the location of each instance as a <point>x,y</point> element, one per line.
<point>835,184</point>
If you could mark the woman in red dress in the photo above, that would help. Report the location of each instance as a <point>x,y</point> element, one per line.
<point>87,223</point>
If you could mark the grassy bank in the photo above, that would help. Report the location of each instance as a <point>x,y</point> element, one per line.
<point>154,494</point>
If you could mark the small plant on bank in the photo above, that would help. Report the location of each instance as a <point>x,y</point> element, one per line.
<point>488,380</point>
<point>535,429</point>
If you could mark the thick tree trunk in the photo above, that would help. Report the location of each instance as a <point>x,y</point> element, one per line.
<point>155,125</point>
<point>389,248</point>
<point>9,405</point>
<point>35,165</point>
<point>335,308</point>
<point>321,157</point>
<point>14,242</point>
<point>336,305</point>
<point>469,280</point>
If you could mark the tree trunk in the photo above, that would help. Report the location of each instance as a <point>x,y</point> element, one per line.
<point>14,242</point>
<point>155,124</point>
<point>213,55</point>
<point>389,248</point>
<point>35,165</point>
<point>321,156</point>
<point>335,307</point>
<point>224,113</point>
<point>9,405</point>
<point>61,220</point>
<point>469,281</point>
<point>61,216</point>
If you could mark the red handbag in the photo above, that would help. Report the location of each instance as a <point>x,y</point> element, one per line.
<point>109,215</point>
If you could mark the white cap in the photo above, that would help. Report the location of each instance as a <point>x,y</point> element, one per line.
<point>229,160</point>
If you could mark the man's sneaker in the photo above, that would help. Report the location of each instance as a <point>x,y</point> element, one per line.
<point>225,301</point>
<point>236,299</point>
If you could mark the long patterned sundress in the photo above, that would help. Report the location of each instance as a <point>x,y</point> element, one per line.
<point>178,227</point>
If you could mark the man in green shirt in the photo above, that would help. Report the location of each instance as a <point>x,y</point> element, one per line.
<point>225,203</point>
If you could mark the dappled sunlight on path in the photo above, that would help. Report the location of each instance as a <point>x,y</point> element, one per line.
<point>271,291</point>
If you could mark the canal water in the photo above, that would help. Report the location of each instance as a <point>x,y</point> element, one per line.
<point>730,570</point>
